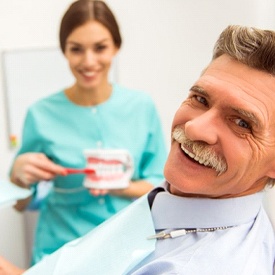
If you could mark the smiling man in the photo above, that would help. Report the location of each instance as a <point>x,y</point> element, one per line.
<point>207,218</point>
<point>224,132</point>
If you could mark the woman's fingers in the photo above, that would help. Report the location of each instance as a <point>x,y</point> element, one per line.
<point>32,167</point>
<point>98,192</point>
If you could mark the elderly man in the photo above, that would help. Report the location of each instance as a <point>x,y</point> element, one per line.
<point>222,157</point>
<point>208,217</point>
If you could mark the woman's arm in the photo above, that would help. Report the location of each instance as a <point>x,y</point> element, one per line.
<point>135,189</point>
<point>7,268</point>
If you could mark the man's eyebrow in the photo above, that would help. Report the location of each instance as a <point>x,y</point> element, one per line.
<point>198,89</point>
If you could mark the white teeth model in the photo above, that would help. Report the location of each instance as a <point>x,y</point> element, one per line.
<point>191,155</point>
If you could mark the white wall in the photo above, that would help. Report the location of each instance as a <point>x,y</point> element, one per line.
<point>166,44</point>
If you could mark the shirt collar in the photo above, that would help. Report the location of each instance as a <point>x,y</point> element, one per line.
<point>170,211</point>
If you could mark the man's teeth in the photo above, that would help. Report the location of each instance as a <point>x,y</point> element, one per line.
<point>191,155</point>
<point>196,158</point>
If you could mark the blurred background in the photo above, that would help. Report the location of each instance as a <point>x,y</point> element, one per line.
<point>166,44</point>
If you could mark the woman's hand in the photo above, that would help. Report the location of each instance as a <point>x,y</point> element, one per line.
<point>7,268</point>
<point>29,168</point>
<point>134,190</point>
<point>98,192</point>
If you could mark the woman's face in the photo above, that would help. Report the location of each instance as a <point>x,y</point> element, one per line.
<point>89,50</point>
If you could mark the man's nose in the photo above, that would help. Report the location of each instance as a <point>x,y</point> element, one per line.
<point>204,127</point>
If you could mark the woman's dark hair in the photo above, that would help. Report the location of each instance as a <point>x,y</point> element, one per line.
<point>82,11</point>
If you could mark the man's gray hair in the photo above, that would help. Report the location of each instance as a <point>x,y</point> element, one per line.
<point>250,46</point>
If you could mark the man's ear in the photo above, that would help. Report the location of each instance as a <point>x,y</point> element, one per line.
<point>271,172</point>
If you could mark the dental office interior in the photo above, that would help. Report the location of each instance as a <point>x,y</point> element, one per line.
<point>166,43</point>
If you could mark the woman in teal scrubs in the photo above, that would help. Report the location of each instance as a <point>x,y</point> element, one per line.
<point>92,113</point>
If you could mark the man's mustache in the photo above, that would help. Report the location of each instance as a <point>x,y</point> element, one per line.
<point>203,153</point>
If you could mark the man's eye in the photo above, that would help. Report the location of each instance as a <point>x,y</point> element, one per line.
<point>202,100</point>
<point>242,123</point>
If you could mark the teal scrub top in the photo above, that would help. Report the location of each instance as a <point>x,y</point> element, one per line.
<point>62,130</point>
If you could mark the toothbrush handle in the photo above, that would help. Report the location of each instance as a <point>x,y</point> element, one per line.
<point>80,171</point>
